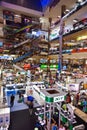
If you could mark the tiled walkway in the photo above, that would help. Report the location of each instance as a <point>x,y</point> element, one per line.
<point>22,120</point>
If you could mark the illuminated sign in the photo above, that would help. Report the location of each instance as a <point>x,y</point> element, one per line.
<point>54,66</point>
<point>52,99</point>
<point>54,33</point>
<point>44,66</point>
<point>5,57</point>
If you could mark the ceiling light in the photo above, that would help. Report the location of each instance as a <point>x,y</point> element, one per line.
<point>67,10</point>
<point>58,16</point>
<point>80,1</point>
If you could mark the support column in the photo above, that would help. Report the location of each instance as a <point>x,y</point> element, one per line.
<point>61,37</point>
<point>44,110</point>
<point>50,117</point>
<point>59,113</point>
<point>53,107</point>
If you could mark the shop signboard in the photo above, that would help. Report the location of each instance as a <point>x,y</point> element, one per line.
<point>53,66</point>
<point>54,34</point>
<point>52,95</point>
<point>54,99</point>
<point>59,99</point>
<point>74,87</point>
<point>43,66</point>
<point>5,57</point>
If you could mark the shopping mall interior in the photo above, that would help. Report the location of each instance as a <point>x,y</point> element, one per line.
<point>43,65</point>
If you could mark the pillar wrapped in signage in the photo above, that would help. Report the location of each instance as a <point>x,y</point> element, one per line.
<point>62,24</point>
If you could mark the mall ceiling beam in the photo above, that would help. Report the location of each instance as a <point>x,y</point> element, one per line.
<point>20,9</point>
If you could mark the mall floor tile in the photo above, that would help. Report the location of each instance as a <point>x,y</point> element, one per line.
<point>22,120</point>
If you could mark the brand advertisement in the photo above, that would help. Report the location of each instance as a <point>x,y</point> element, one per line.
<point>59,99</point>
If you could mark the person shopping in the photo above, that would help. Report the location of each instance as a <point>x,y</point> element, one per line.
<point>12,100</point>
<point>30,107</point>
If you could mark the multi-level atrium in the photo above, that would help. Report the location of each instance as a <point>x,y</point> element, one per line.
<point>43,59</point>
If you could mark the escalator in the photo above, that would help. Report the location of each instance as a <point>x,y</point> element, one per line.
<point>34,49</point>
<point>15,34</point>
<point>19,44</point>
<point>23,57</point>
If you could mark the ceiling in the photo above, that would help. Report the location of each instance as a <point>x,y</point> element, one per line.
<point>45,10</point>
<point>31,4</point>
<point>80,14</point>
<point>56,11</point>
<point>28,8</point>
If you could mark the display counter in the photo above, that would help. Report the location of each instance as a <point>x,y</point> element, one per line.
<point>4,117</point>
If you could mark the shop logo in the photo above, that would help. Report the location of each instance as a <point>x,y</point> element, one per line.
<point>59,99</point>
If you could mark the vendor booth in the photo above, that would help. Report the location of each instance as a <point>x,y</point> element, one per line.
<point>51,97</point>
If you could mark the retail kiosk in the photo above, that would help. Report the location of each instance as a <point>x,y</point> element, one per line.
<point>52,96</point>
